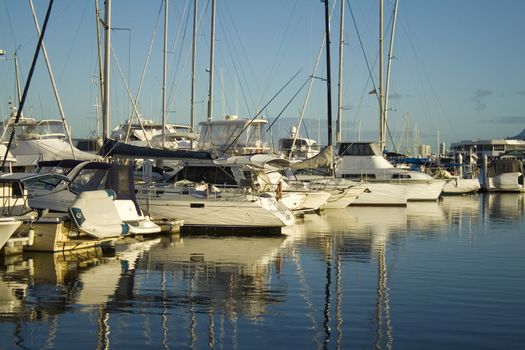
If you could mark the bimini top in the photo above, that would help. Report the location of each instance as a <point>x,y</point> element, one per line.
<point>234,136</point>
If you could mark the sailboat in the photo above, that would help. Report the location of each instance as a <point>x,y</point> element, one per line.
<point>377,194</point>
<point>365,160</point>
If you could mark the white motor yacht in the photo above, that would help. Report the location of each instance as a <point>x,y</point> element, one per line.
<point>364,161</point>
<point>203,207</point>
<point>41,140</point>
<point>86,204</point>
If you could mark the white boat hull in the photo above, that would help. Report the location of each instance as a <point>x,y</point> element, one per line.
<point>306,201</point>
<point>249,212</point>
<point>506,182</point>
<point>342,198</point>
<point>8,226</point>
<point>424,190</point>
<point>382,194</point>
<point>461,186</point>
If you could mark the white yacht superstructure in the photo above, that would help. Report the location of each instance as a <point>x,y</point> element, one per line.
<point>364,161</point>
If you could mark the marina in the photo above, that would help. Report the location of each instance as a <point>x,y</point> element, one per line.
<point>147,204</point>
<point>432,275</point>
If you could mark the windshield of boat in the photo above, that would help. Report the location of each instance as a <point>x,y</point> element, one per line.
<point>45,182</point>
<point>359,149</point>
<point>50,128</point>
<point>226,136</point>
<point>89,180</point>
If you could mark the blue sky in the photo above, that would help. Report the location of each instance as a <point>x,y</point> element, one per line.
<point>458,66</point>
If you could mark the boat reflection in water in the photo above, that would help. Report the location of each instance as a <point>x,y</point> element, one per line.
<point>230,273</point>
<point>354,277</point>
<point>41,287</point>
<point>363,235</point>
<point>504,206</point>
<point>209,280</point>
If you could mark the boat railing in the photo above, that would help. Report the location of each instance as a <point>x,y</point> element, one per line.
<point>197,191</point>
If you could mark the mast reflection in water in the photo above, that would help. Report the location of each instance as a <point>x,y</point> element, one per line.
<point>431,275</point>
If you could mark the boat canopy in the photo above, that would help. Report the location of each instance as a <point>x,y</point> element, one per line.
<point>123,150</point>
<point>234,136</point>
<point>502,166</point>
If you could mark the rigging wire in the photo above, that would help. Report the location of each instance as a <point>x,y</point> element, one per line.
<point>280,53</point>
<point>362,48</point>
<point>26,88</point>
<point>10,23</point>
<point>177,77</point>
<point>286,106</point>
<point>421,67</point>
<point>139,90</point>
<point>371,79</point>
<point>77,31</point>
<point>235,59</point>
<point>262,109</point>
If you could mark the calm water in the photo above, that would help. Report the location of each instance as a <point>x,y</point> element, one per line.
<point>447,275</point>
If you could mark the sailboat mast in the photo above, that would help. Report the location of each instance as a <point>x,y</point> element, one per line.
<point>382,133</point>
<point>328,74</point>
<point>107,64</point>
<point>28,82</point>
<point>18,85</point>
<point>164,51</point>
<point>340,76</point>
<point>389,66</point>
<point>99,56</point>
<point>53,83</point>
<point>193,56</point>
<point>212,57</point>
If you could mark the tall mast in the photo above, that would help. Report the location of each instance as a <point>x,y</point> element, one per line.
<point>107,65</point>
<point>28,82</point>
<point>18,85</point>
<point>164,73</point>
<point>193,56</point>
<point>340,79</point>
<point>99,54</point>
<point>389,65</point>
<point>53,83</point>
<point>328,75</point>
<point>382,134</point>
<point>212,53</point>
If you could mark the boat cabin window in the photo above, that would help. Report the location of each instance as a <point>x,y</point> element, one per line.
<point>18,190</point>
<point>286,144</point>
<point>401,176</point>
<point>358,149</point>
<point>51,128</point>
<point>11,190</point>
<point>222,176</point>
<point>47,182</point>
<point>89,180</point>
<point>219,136</point>
<point>359,176</point>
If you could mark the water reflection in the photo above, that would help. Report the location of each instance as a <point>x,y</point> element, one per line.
<point>337,278</point>
<point>504,206</point>
<point>231,273</point>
